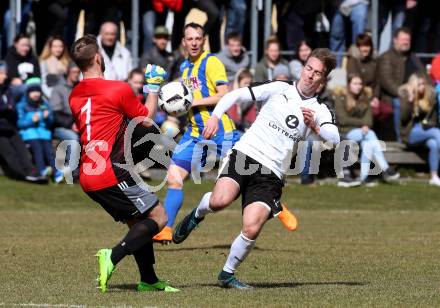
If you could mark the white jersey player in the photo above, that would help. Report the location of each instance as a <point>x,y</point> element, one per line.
<point>258,162</point>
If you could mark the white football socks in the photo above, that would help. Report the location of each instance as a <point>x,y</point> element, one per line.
<point>240,249</point>
<point>203,209</point>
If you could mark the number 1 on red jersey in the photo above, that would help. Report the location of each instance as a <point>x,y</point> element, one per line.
<point>87,108</point>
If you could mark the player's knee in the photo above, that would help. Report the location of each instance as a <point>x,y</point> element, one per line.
<point>217,202</point>
<point>174,182</point>
<point>251,231</point>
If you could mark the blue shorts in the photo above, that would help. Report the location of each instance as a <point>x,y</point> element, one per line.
<point>191,152</point>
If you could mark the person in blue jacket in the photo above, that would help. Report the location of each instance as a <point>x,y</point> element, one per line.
<point>35,119</point>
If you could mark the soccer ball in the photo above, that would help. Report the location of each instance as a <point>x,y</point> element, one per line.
<point>175,98</point>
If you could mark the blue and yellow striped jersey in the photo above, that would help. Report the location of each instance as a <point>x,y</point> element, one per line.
<point>203,76</point>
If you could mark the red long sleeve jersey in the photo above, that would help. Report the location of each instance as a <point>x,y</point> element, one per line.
<point>101,109</point>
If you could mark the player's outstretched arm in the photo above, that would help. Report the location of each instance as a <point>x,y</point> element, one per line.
<point>154,77</point>
<point>226,102</point>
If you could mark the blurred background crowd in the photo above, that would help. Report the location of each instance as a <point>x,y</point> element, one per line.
<point>387,89</point>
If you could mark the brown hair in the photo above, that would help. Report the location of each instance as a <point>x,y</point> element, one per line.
<point>364,39</point>
<point>272,40</point>
<point>194,26</point>
<point>351,101</point>
<point>135,71</point>
<point>326,57</point>
<point>83,51</point>
<point>234,36</point>
<point>401,30</point>
<point>46,50</point>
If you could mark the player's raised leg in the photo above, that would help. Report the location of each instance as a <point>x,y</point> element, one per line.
<point>254,217</point>
<point>173,200</point>
<point>226,190</point>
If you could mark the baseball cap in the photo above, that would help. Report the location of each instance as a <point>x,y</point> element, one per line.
<point>161,31</point>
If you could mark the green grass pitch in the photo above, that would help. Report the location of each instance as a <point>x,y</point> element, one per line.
<point>355,247</point>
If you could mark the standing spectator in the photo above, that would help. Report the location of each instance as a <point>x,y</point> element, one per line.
<point>35,119</point>
<point>419,109</point>
<point>243,114</point>
<point>21,62</point>
<point>362,62</point>
<point>357,12</point>
<point>423,19</point>
<point>394,68</point>
<point>296,21</point>
<point>272,56</point>
<point>397,10</point>
<point>355,120</point>
<point>158,54</point>
<point>54,60</point>
<point>211,27</point>
<point>117,59</point>
<point>234,56</point>
<point>64,123</point>
<point>302,53</point>
<point>15,159</point>
<point>235,17</point>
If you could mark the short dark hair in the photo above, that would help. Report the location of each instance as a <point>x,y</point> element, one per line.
<point>326,57</point>
<point>84,50</point>
<point>233,36</point>
<point>19,36</point>
<point>193,25</point>
<point>401,30</point>
<point>135,71</point>
<point>364,39</point>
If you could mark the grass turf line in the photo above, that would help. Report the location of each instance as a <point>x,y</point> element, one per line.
<point>355,247</point>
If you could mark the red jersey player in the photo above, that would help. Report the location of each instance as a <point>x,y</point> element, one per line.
<point>102,109</point>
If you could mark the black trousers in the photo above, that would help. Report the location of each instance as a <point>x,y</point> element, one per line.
<point>15,158</point>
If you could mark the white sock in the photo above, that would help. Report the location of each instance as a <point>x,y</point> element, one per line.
<point>240,249</point>
<point>203,209</point>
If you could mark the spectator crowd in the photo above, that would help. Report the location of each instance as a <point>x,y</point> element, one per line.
<point>392,96</point>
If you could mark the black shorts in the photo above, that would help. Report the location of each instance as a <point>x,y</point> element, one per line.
<point>126,200</point>
<point>257,183</point>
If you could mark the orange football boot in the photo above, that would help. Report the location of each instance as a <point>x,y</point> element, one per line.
<point>165,236</point>
<point>289,221</point>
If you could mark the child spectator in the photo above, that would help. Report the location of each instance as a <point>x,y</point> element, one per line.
<point>54,60</point>
<point>34,122</point>
<point>419,120</point>
<point>15,159</point>
<point>302,52</point>
<point>243,115</point>
<point>354,119</point>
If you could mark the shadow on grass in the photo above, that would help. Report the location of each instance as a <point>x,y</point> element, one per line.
<point>301,284</point>
<point>258,285</point>
<point>227,246</point>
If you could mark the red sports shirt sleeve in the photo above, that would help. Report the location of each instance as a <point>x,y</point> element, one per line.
<point>131,105</point>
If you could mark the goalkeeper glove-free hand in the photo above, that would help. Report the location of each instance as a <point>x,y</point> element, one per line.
<point>154,76</point>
